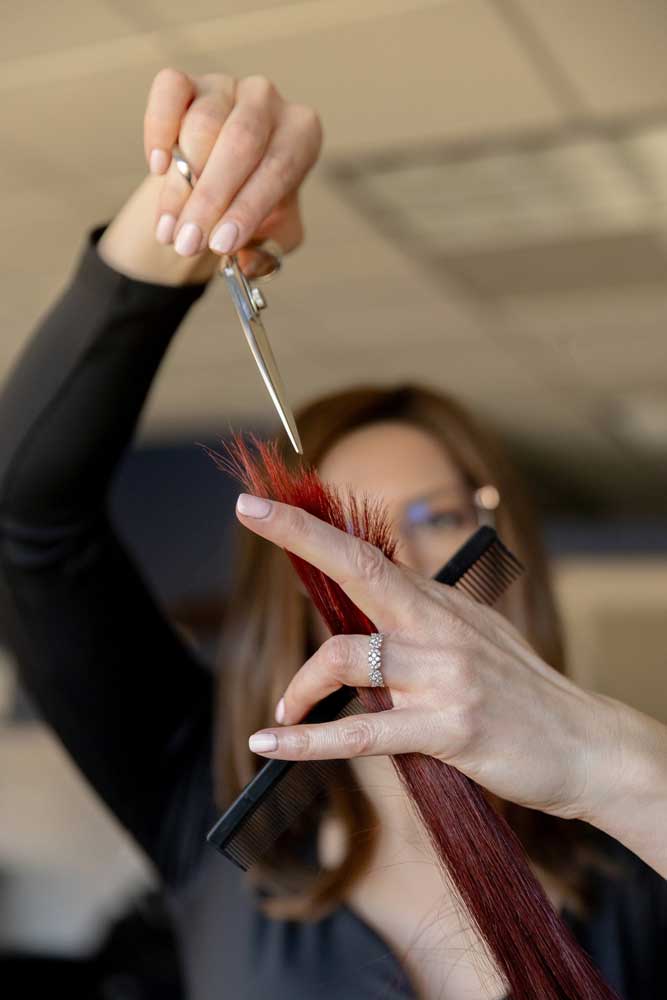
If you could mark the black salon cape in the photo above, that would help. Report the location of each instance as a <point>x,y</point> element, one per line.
<point>129,699</point>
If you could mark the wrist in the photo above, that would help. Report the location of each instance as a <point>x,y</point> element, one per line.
<point>129,246</point>
<point>627,794</point>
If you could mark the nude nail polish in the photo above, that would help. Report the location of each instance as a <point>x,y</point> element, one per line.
<point>252,506</point>
<point>164,231</point>
<point>188,240</point>
<point>263,742</point>
<point>225,237</point>
<point>158,161</point>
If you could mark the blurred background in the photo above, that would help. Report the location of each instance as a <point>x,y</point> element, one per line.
<point>490,217</point>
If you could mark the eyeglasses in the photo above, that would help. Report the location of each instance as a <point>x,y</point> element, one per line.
<point>434,526</point>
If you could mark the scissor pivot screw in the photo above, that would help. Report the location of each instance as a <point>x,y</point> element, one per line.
<point>258,299</point>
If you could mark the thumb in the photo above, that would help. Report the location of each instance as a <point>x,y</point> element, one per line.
<point>284,226</point>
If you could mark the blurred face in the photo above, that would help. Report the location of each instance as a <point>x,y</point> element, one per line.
<point>428,502</point>
<point>430,506</point>
<point>432,514</point>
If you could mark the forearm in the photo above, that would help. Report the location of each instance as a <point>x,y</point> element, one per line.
<point>130,247</point>
<point>126,696</point>
<point>69,407</point>
<point>630,799</point>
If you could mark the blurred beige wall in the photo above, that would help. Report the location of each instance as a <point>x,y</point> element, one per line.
<point>615,613</point>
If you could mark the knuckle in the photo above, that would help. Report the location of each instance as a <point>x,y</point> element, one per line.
<point>369,563</point>
<point>416,612</point>
<point>358,737</point>
<point>465,718</point>
<point>244,215</point>
<point>337,653</point>
<point>219,89</point>
<point>205,119</point>
<point>264,88</point>
<point>461,671</point>
<point>302,741</point>
<point>459,629</point>
<point>169,76</point>
<point>462,729</point>
<point>246,136</point>
<point>473,702</point>
<point>207,201</point>
<point>295,521</point>
<point>308,120</point>
<point>281,167</point>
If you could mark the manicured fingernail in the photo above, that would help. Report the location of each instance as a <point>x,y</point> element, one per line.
<point>158,161</point>
<point>252,506</point>
<point>188,240</point>
<point>164,231</point>
<point>280,710</point>
<point>263,742</point>
<point>224,238</point>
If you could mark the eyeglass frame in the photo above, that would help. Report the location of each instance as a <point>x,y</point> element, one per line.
<point>485,502</point>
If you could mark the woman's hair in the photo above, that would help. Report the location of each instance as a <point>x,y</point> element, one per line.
<point>266,638</point>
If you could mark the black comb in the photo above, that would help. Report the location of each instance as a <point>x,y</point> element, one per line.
<point>483,568</point>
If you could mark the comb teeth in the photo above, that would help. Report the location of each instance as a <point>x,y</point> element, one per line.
<point>483,569</point>
<point>491,575</point>
<point>299,787</point>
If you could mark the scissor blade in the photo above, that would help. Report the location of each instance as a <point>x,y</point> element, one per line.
<point>261,351</point>
<point>258,342</point>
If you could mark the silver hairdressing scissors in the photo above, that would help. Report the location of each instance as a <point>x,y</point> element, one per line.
<point>249,303</point>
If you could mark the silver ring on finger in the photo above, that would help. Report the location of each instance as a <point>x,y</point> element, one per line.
<point>183,166</point>
<point>269,250</point>
<point>375,659</point>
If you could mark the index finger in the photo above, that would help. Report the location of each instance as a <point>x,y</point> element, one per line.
<point>379,588</point>
<point>170,94</point>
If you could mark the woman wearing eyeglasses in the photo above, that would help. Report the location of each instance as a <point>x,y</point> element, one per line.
<point>361,910</point>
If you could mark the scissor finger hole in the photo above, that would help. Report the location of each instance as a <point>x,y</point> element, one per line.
<point>261,261</point>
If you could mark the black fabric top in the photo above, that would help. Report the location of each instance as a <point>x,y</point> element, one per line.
<point>131,702</point>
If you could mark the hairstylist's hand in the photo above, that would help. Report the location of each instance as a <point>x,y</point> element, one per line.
<point>466,689</point>
<point>250,150</point>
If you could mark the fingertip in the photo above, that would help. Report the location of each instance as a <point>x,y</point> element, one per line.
<point>224,238</point>
<point>263,742</point>
<point>158,161</point>
<point>252,506</point>
<point>164,231</point>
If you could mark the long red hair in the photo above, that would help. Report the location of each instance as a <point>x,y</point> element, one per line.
<point>266,637</point>
<point>533,949</point>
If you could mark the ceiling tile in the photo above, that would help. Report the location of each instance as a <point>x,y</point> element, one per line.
<point>634,259</point>
<point>604,367</point>
<point>601,311</point>
<point>40,27</point>
<point>171,12</point>
<point>611,51</point>
<point>73,132</point>
<point>467,75</point>
<point>606,343</point>
<point>356,303</point>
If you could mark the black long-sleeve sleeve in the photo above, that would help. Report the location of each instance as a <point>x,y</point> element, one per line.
<point>126,696</point>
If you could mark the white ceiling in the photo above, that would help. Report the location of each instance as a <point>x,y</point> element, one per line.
<point>554,366</point>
